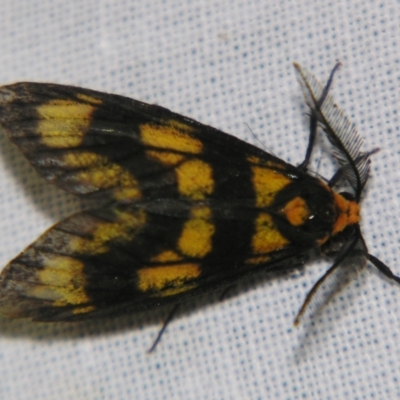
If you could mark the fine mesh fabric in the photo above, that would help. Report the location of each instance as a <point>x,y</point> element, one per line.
<point>227,64</point>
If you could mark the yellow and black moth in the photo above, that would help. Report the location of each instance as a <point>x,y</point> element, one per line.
<point>183,208</point>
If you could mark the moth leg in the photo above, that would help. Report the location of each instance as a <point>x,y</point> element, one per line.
<point>314,121</point>
<point>383,268</point>
<point>312,293</point>
<point>164,327</point>
<point>349,263</point>
<point>225,292</point>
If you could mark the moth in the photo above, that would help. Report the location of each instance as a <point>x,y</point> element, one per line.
<point>182,208</point>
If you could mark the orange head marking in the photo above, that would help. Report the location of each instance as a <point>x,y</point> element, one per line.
<point>348,213</point>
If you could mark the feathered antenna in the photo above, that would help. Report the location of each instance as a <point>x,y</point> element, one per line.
<point>340,131</point>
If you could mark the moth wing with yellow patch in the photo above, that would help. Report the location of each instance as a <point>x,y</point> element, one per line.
<point>53,277</point>
<point>126,258</point>
<point>89,142</point>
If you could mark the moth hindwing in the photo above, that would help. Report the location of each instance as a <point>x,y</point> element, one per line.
<point>183,208</point>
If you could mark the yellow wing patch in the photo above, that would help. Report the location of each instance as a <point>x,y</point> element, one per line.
<point>267,237</point>
<point>167,256</point>
<point>62,281</point>
<point>96,172</point>
<point>165,158</point>
<point>63,123</point>
<point>196,238</point>
<point>106,177</point>
<point>195,179</point>
<point>173,277</point>
<point>267,183</point>
<point>124,228</point>
<point>174,136</point>
<point>89,99</point>
<point>82,159</point>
